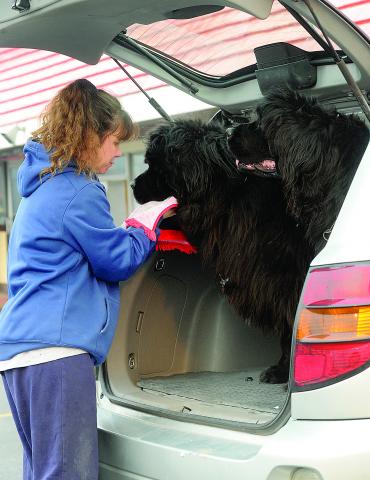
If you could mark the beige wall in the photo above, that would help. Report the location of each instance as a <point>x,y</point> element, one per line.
<point>3,256</point>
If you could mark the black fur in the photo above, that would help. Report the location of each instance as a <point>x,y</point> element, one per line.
<point>258,233</point>
<point>317,153</point>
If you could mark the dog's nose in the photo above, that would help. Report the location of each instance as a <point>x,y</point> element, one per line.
<point>229,131</point>
<point>132,185</point>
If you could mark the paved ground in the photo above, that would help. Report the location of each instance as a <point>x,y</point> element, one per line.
<point>10,447</point>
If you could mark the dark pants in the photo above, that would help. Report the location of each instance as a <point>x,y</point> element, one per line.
<point>54,409</point>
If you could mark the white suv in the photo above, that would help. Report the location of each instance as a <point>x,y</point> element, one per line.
<point>179,396</point>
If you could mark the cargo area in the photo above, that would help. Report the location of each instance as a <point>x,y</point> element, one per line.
<point>181,349</point>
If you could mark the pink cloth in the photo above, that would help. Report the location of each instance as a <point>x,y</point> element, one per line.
<point>147,216</point>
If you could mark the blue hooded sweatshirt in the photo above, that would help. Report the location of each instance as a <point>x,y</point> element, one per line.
<point>65,260</point>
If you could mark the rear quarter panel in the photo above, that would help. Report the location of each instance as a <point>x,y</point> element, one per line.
<point>349,242</point>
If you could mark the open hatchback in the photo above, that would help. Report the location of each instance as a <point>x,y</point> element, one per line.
<point>179,395</point>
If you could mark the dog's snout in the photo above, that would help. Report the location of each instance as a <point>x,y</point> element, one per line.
<point>132,184</point>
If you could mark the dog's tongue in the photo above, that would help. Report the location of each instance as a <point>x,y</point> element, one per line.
<point>267,166</point>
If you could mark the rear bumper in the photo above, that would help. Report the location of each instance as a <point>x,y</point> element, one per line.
<point>138,446</point>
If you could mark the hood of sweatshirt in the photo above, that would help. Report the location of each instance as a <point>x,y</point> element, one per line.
<point>36,159</point>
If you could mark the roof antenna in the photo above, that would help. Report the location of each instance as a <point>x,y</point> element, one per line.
<point>151,100</point>
<point>342,67</point>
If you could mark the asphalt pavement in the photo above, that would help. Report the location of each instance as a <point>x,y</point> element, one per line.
<point>10,446</point>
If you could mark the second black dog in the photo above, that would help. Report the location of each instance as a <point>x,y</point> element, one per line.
<point>253,233</point>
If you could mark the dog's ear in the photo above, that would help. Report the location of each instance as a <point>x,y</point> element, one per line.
<point>202,158</point>
<point>185,173</point>
<point>311,142</point>
<point>157,140</point>
<point>168,160</point>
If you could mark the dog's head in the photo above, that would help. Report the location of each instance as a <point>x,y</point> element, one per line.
<point>316,152</point>
<point>252,152</point>
<point>293,135</point>
<point>302,137</point>
<point>185,159</point>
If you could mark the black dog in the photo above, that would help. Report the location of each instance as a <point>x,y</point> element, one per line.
<point>250,231</point>
<point>316,153</point>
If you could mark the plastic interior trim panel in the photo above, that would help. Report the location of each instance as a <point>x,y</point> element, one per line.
<point>238,76</point>
<point>235,96</point>
<point>180,298</point>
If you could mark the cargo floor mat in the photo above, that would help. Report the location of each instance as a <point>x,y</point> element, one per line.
<point>235,389</point>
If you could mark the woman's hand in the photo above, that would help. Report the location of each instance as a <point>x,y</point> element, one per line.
<point>148,215</point>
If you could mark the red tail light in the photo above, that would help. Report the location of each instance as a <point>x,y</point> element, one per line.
<point>333,331</point>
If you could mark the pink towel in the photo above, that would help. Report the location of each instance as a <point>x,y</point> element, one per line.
<point>147,216</point>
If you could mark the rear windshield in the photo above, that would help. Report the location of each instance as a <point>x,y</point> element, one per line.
<point>220,43</point>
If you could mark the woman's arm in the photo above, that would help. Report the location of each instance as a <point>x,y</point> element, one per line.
<point>114,253</point>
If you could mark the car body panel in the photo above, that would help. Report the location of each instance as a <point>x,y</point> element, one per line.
<point>84,29</point>
<point>152,447</point>
<point>348,243</point>
<point>351,400</point>
<point>350,237</point>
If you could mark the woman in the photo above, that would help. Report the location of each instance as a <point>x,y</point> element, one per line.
<point>66,258</point>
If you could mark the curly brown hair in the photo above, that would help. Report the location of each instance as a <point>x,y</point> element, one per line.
<point>75,123</point>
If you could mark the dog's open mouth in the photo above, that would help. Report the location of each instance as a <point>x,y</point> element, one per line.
<point>266,167</point>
